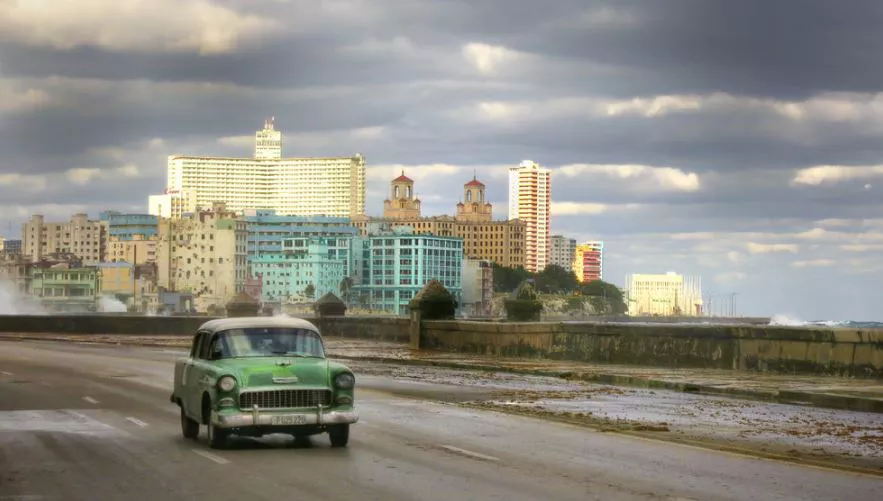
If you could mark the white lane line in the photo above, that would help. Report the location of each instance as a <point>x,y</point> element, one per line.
<point>136,421</point>
<point>6,373</point>
<point>90,400</point>
<point>211,457</point>
<point>469,453</point>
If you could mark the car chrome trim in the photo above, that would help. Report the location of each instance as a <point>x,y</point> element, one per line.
<point>258,417</point>
<point>285,380</point>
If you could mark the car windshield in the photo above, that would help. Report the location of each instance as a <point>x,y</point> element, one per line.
<point>267,342</point>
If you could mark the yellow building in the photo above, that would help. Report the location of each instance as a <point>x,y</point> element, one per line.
<point>81,237</point>
<point>204,254</point>
<point>668,294</point>
<point>588,261</point>
<point>139,250</point>
<point>502,242</point>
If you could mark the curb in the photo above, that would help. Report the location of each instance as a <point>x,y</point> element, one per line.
<point>815,399</point>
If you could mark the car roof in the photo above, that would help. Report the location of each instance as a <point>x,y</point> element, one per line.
<point>257,322</point>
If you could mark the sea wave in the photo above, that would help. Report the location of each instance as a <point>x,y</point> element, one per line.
<point>853,324</point>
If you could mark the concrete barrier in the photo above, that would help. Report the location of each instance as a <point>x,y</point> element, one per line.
<point>784,350</point>
<point>380,328</point>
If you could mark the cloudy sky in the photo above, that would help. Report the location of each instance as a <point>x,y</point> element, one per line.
<point>740,141</point>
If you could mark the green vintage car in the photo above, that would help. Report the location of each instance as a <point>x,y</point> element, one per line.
<point>254,376</point>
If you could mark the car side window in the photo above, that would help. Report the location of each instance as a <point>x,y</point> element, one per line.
<point>205,346</point>
<point>197,342</point>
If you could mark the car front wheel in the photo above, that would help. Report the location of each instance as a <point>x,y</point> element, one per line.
<point>339,434</point>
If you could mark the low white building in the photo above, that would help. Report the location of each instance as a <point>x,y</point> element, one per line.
<point>478,288</point>
<point>663,295</point>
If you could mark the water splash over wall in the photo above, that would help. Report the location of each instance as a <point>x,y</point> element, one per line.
<point>110,304</point>
<point>13,302</point>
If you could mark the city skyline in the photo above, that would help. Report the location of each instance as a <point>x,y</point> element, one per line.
<point>762,176</point>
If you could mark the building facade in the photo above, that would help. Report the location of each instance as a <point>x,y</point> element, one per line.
<point>397,265</point>
<point>530,200</point>
<point>204,254</point>
<point>131,238</point>
<point>306,269</point>
<point>172,204</point>
<point>668,294</point>
<point>328,186</point>
<point>478,287</point>
<point>81,237</point>
<point>502,242</point>
<point>562,251</point>
<point>588,261</point>
<point>61,288</point>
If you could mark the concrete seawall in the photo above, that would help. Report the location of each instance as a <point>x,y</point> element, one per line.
<point>782,350</point>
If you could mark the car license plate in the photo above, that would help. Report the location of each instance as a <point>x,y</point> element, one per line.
<point>288,420</point>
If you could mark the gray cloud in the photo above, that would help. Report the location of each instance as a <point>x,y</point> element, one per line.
<point>712,105</point>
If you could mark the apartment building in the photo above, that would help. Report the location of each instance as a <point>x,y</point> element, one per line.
<point>562,251</point>
<point>172,204</point>
<point>316,263</point>
<point>668,294</point>
<point>588,261</point>
<point>204,254</point>
<point>502,242</point>
<point>530,199</point>
<point>131,238</point>
<point>328,186</point>
<point>81,237</point>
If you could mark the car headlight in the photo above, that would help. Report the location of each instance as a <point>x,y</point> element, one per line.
<point>345,381</point>
<point>226,383</point>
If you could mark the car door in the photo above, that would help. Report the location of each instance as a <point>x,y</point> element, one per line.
<point>191,394</point>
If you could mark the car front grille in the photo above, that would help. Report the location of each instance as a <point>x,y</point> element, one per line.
<point>279,399</point>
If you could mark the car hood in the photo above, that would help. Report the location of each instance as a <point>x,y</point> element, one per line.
<point>260,371</point>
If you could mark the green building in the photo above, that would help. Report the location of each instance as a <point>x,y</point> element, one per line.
<point>65,289</point>
<point>397,264</point>
<point>314,265</point>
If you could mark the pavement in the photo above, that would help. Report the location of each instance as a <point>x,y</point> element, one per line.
<point>821,391</point>
<point>88,422</point>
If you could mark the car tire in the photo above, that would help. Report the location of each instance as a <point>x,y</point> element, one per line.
<point>189,427</point>
<point>339,434</point>
<point>217,437</point>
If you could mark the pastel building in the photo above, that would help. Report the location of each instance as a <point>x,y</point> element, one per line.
<point>80,236</point>
<point>131,238</point>
<point>62,288</point>
<point>204,254</point>
<point>305,269</point>
<point>329,186</point>
<point>530,200</point>
<point>668,294</point>
<point>588,261</point>
<point>398,264</point>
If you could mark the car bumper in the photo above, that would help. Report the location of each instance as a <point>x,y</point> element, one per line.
<point>282,419</point>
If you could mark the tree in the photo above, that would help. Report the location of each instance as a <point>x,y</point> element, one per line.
<point>346,288</point>
<point>310,291</point>
<point>507,279</point>
<point>605,298</point>
<point>556,280</point>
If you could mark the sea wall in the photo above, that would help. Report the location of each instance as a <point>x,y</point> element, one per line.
<point>784,350</point>
<point>787,350</point>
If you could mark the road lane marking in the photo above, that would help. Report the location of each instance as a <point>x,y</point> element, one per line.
<point>211,457</point>
<point>90,400</point>
<point>136,421</point>
<point>6,373</point>
<point>469,453</point>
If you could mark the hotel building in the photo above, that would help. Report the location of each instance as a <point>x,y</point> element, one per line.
<point>530,199</point>
<point>327,186</point>
<point>668,294</point>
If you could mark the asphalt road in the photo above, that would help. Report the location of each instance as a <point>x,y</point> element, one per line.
<point>94,423</point>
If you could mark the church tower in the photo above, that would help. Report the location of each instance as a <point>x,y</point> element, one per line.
<point>401,203</point>
<point>474,206</point>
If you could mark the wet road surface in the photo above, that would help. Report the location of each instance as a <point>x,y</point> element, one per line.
<point>90,423</point>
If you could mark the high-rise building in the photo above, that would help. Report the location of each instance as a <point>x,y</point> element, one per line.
<point>80,237</point>
<point>562,251</point>
<point>588,261</point>
<point>530,199</point>
<point>327,186</point>
<point>668,294</point>
<point>483,238</point>
<point>172,204</point>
